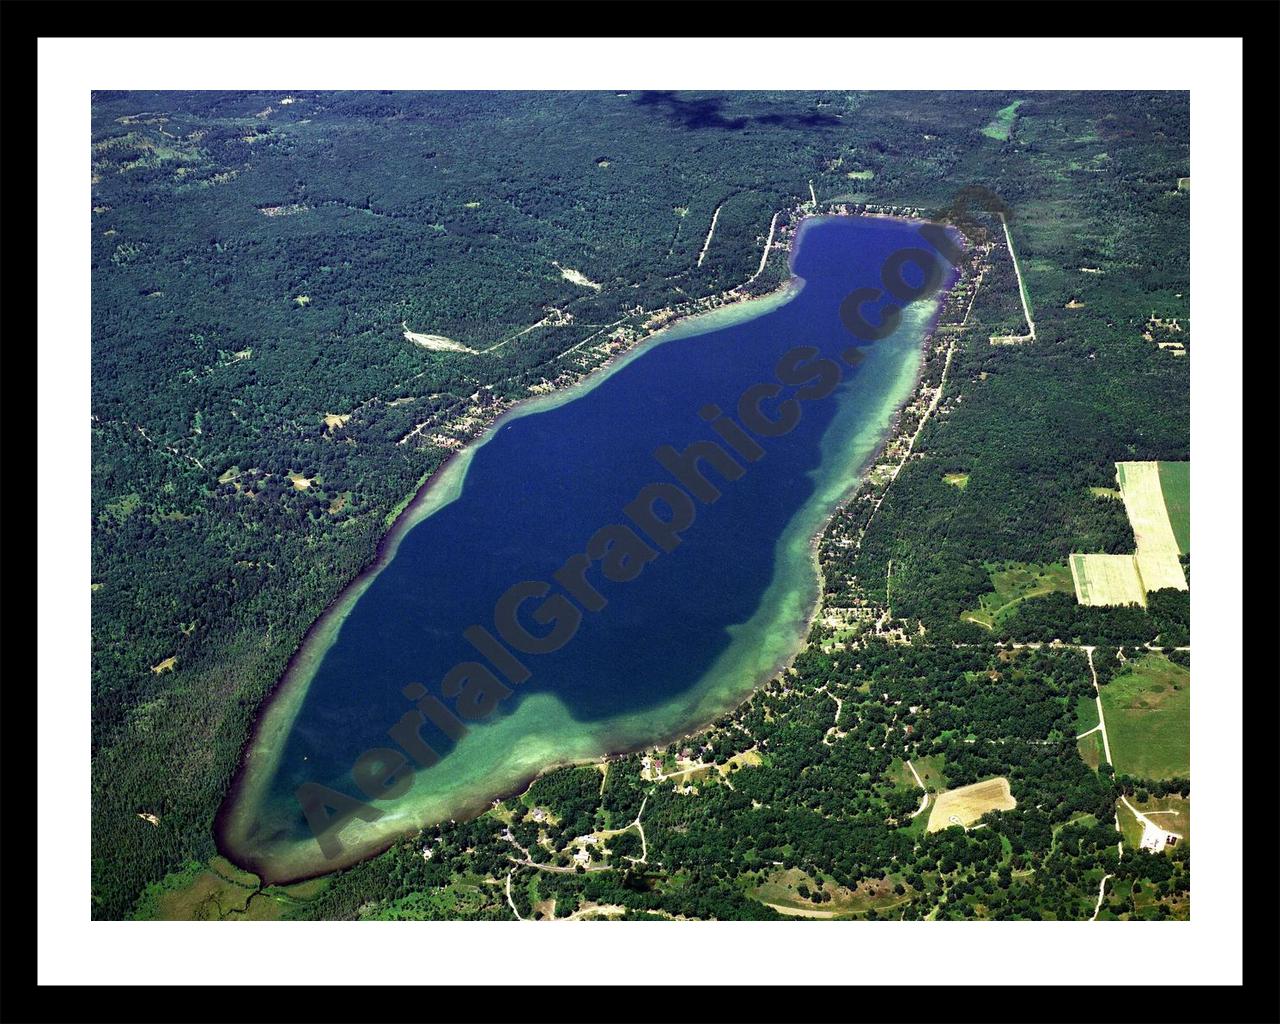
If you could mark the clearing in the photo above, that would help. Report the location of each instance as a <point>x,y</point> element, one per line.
<point>434,342</point>
<point>1014,583</point>
<point>967,804</point>
<point>960,480</point>
<point>577,277</point>
<point>1090,747</point>
<point>1148,712</point>
<point>1002,124</point>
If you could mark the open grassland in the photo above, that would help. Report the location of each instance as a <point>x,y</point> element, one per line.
<point>931,770</point>
<point>1091,751</point>
<point>967,804</point>
<point>1175,485</point>
<point>1158,549</point>
<point>1013,584</point>
<point>1107,580</point>
<point>1002,124</point>
<point>1086,714</point>
<point>1148,713</point>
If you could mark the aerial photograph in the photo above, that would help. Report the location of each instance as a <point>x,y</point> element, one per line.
<point>618,505</point>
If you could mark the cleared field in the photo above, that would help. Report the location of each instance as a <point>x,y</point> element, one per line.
<point>435,342</point>
<point>1091,751</point>
<point>929,769</point>
<point>932,771</point>
<point>1148,712</point>
<point>1157,546</point>
<point>1107,580</point>
<point>967,804</point>
<point>1015,583</point>
<point>1086,714</point>
<point>1002,124</point>
<point>1175,485</point>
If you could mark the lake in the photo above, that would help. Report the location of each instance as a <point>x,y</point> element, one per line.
<point>689,637</point>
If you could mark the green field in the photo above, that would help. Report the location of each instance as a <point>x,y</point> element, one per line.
<point>1090,748</point>
<point>1148,712</point>
<point>929,768</point>
<point>1175,484</point>
<point>1086,714</point>
<point>1013,584</point>
<point>1002,124</point>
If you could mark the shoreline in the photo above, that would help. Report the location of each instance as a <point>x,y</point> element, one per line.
<point>280,705</point>
<point>297,670</point>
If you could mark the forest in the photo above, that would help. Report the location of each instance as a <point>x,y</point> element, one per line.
<point>259,417</point>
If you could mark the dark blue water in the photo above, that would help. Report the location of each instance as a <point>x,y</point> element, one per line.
<point>546,482</point>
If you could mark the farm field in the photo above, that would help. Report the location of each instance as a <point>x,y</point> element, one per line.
<point>1107,580</point>
<point>969,803</point>
<point>1175,485</point>
<point>1157,546</point>
<point>1013,584</point>
<point>1148,712</point>
<point>1157,501</point>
